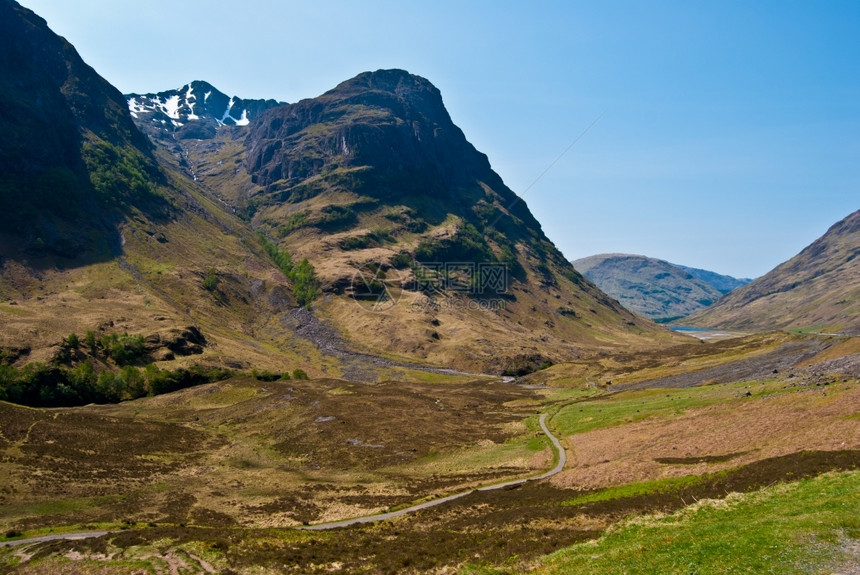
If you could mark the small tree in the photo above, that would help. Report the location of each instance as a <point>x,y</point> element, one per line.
<point>72,342</point>
<point>157,380</point>
<point>109,387</point>
<point>210,282</point>
<point>134,384</point>
<point>305,283</point>
<point>90,341</point>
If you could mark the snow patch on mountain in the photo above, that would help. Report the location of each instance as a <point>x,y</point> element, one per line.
<point>191,99</point>
<point>197,101</point>
<point>171,107</point>
<point>228,118</point>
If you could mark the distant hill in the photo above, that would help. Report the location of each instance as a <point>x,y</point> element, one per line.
<point>817,290</point>
<point>654,288</point>
<point>723,283</point>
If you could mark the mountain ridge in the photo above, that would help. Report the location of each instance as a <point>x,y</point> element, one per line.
<point>722,282</point>
<point>194,110</point>
<point>651,287</point>
<point>818,289</point>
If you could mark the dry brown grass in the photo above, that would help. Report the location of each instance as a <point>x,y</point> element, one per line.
<point>249,457</point>
<point>742,430</point>
<point>266,454</point>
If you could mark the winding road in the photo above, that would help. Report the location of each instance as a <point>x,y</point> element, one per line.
<point>557,447</point>
<point>561,459</point>
<point>55,537</point>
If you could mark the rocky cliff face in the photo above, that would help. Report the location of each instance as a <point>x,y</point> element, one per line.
<point>391,124</point>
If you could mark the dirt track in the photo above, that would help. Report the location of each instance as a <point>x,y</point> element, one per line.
<point>56,537</point>
<point>562,459</point>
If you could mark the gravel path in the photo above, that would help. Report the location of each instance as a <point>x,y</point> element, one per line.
<point>56,537</point>
<point>560,463</point>
<point>562,459</point>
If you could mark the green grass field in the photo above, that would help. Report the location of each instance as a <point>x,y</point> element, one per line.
<point>806,527</point>
<point>631,406</point>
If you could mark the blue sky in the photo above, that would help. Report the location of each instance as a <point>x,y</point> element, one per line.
<point>729,132</point>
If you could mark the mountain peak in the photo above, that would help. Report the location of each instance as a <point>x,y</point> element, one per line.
<point>387,87</point>
<point>398,82</point>
<point>198,103</point>
<point>390,121</point>
<point>391,80</point>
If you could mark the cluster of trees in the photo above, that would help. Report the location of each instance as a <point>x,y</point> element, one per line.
<point>72,378</point>
<point>123,348</point>
<point>41,385</point>
<point>266,375</point>
<point>305,283</point>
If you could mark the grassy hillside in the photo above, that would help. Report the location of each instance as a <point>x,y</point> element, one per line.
<point>796,528</point>
<point>818,290</point>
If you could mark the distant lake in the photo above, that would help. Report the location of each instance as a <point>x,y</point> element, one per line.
<point>702,333</point>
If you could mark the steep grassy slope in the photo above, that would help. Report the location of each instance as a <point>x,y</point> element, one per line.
<point>817,290</point>
<point>97,236</point>
<point>409,229</point>
<point>72,163</point>
<point>650,287</point>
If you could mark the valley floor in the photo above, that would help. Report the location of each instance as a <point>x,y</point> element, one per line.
<point>737,456</point>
